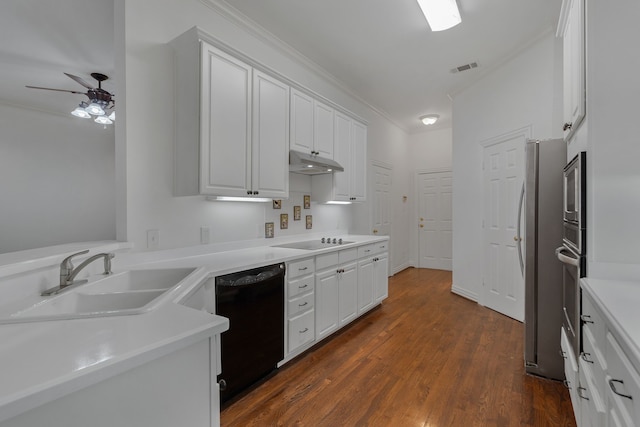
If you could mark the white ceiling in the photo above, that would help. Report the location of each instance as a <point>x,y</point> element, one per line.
<point>384,51</point>
<point>40,40</point>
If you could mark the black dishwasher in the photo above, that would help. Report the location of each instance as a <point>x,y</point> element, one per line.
<point>253,301</point>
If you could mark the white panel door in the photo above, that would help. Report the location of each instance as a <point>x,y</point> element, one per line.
<point>225,138</point>
<point>381,212</point>
<point>503,285</point>
<point>270,151</point>
<point>434,220</point>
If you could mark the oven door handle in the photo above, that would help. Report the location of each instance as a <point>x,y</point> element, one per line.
<point>518,235</point>
<point>566,259</point>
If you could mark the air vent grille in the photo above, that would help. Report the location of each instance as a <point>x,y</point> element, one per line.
<point>465,67</point>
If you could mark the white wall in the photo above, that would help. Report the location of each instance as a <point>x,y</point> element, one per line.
<point>522,92</point>
<point>149,133</point>
<point>56,180</point>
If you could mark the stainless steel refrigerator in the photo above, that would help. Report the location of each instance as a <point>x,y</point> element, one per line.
<point>540,210</point>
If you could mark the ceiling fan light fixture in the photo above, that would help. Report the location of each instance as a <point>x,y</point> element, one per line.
<point>441,14</point>
<point>103,120</point>
<point>95,109</point>
<point>81,112</point>
<point>429,119</point>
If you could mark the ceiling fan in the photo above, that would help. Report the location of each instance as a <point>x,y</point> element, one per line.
<point>100,101</point>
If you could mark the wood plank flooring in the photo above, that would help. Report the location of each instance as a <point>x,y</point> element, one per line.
<point>427,357</point>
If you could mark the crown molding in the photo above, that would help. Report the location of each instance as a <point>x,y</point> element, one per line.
<point>236,17</point>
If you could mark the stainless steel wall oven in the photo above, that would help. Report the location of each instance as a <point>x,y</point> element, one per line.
<point>573,251</point>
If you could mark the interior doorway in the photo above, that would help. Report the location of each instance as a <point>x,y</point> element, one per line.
<point>435,230</point>
<point>381,199</point>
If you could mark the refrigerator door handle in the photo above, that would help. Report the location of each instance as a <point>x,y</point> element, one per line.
<point>566,259</point>
<point>518,235</point>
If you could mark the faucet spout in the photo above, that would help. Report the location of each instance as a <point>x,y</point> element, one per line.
<point>68,273</point>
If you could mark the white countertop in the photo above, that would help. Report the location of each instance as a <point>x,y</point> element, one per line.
<point>43,361</point>
<point>620,304</point>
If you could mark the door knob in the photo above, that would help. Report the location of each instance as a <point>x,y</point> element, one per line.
<point>517,239</point>
<point>375,231</point>
<point>421,219</point>
<point>421,225</point>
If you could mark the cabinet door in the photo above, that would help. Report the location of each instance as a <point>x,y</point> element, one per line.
<point>326,303</point>
<point>225,109</point>
<point>270,148</point>
<point>365,285</point>
<point>342,155</point>
<point>358,164</point>
<point>323,129</point>
<point>348,293</point>
<point>381,277</point>
<point>574,68</point>
<point>301,122</point>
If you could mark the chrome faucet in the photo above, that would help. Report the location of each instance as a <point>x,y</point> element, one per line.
<point>68,272</point>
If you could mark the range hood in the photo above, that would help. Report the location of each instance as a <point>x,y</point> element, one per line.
<point>308,164</point>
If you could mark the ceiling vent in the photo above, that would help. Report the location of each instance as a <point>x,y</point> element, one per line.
<point>465,67</point>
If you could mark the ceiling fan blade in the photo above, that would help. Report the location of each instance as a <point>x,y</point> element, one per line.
<point>79,80</point>
<point>58,90</point>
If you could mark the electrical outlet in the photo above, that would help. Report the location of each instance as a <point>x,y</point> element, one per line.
<point>204,235</point>
<point>153,239</point>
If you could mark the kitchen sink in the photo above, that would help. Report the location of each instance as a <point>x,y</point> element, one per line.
<point>126,293</point>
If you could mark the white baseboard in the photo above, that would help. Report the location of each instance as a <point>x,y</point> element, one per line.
<point>464,293</point>
<point>400,267</point>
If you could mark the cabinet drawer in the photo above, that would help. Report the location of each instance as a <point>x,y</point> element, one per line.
<point>591,320</point>
<point>623,378</point>
<point>592,407</point>
<point>300,286</point>
<point>327,260</point>
<point>301,330</point>
<point>348,255</point>
<point>366,250</point>
<point>380,247</point>
<point>300,304</point>
<point>570,371</point>
<point>593,354</point>
<point>300,268</point>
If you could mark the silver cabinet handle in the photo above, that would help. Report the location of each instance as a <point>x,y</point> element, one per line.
<point>302,287</point>
<point>585,356</point>
<point>613,388</point>
<point>367,251</point>
<point>567,126</point>
<point>563,354</point>
<point>303,268</point>
<point>567,384</point>
<point>580,393</point>
<point>566,259</point>
<point>304,330</point>
<point>586,318</point>
<point>302,305</point>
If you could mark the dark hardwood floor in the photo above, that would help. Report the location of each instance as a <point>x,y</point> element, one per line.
<point>427,357</point>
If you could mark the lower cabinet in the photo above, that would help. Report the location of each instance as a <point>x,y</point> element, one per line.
<point>327,292</point>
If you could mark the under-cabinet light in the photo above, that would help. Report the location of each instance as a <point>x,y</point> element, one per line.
<point>238,199</point>
<point>337,202</point>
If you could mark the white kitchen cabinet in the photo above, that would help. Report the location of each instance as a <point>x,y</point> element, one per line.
<point>381,277</point>
<point>300,303</point>
<point>365,284</point>
<point>348,293</point>
<point>232,124</point>
<point>327,301</point>
<point>572,29</point>
<point>350,153</point>
<point>270,130</point>
<point>178,389</point>
<point>311,125</point>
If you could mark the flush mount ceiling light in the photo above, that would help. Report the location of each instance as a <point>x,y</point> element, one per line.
<point>441,14</point>
<point>429,119</point>
<point>100,104</point>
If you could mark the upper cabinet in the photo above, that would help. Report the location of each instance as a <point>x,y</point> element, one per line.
<point>571,29</point>
<point>350,150</point>
<point>311,125</point>
<point>235,142</point>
